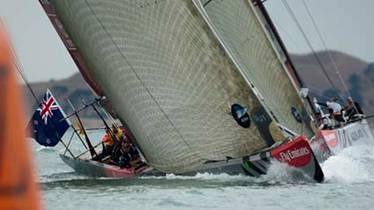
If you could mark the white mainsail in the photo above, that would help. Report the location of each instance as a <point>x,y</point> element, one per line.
<point>168,78</point>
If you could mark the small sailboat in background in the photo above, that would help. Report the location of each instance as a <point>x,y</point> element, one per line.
<point>18,188</point>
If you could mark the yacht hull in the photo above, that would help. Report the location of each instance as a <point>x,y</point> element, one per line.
<point>295,153</point>
<point>331,142</point>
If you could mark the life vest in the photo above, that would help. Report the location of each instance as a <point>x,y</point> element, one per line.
<point>119,134</point>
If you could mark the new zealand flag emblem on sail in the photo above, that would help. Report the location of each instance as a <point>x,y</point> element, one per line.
<point>48,123</point>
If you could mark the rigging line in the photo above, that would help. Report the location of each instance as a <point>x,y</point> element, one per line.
<point>292,40</point>
<point>136,74</point>
<point>277,25</point>
<point>20,68</point>
<point>293,16</point>
<point>325,46</point>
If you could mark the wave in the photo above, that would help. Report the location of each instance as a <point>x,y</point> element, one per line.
<point>45,149</point>
<point>353,165</point>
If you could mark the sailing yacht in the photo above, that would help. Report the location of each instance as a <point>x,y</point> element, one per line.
<point>176,72</point>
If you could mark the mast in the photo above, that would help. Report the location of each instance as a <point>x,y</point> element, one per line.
<point>70,46</point>
<point>249,42</point>
<point>289,63</point>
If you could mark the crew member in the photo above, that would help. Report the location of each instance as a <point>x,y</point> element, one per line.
<point>324,121</point>
<point>108,143</point>
<point>352,109</point>
<point>121,155</point>
<point>136,160</point>
<point>118,133</point>
<point>336,110</point>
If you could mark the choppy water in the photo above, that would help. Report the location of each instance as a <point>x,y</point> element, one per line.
<point>349,185</point>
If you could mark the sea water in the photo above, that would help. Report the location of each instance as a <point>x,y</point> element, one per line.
<point>349,185</point>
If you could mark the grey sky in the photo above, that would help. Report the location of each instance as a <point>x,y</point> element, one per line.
<point>37,45</point>
<point>346,25</point>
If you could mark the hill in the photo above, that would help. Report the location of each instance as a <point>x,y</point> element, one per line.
<point>73,88</point>
<point>358,77</point>
<point>357,74</point>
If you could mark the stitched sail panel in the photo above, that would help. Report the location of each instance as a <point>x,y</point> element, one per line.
<point>168,78</point>
<point>241,32</point>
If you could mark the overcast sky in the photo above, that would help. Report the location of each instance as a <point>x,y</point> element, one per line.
<point>346,25</point>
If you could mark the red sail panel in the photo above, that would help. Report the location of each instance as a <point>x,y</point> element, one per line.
<point>74,53</point>
<point>18,189</point>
